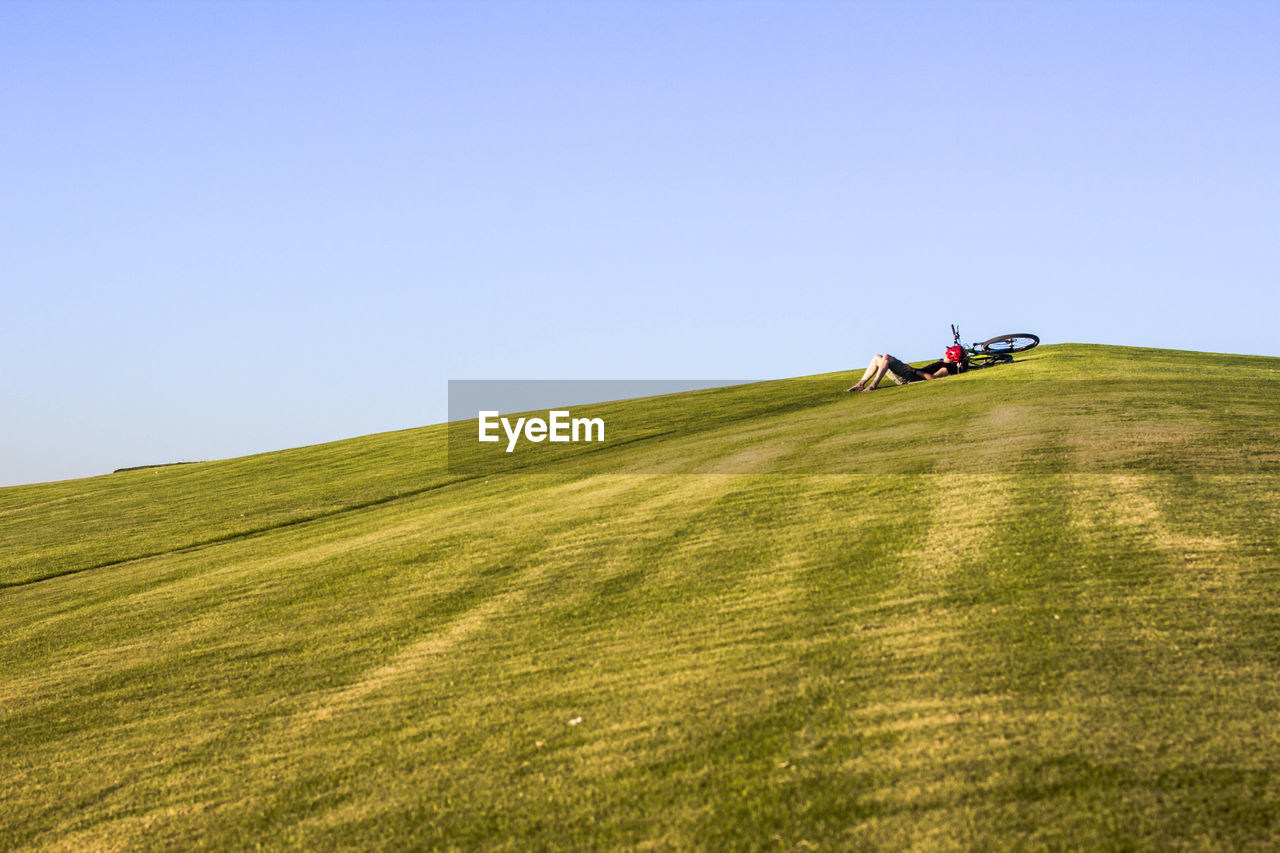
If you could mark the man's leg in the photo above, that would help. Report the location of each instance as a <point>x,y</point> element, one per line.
<point>875,371</point>
<point>871,369</point>
<point>880,371</point>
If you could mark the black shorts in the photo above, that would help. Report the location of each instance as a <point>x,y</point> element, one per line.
<point>901,373</point>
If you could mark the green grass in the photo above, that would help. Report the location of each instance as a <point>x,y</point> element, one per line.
<point>1036,606</point>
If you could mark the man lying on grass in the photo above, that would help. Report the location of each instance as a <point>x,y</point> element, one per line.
<point>954,360</point>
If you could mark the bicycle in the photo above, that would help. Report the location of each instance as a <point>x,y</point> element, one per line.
<point>997,350</point>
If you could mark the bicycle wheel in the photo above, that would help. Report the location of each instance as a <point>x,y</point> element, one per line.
<point>988,359</point>
<point>1017,342</point>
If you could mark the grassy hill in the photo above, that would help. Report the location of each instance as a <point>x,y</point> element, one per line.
<point>1032,606</point>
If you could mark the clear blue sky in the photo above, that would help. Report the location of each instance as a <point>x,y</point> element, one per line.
<point>229,227</point>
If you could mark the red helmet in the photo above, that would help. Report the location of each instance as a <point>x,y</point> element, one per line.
<point>955,353</point>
